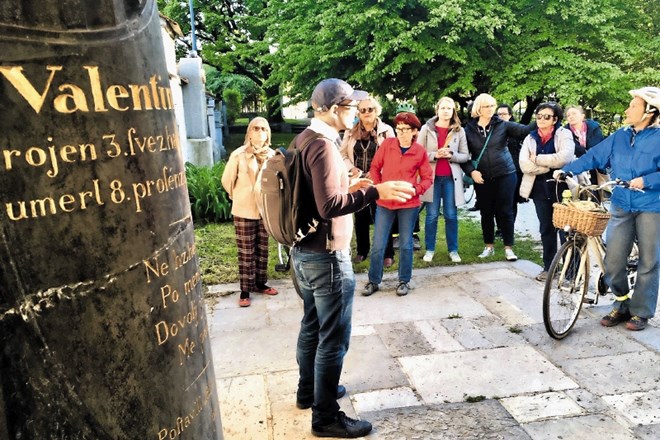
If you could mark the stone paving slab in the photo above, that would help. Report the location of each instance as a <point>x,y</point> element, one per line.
<point>450,377</point>
<point>585,427</point>
<point>617,374</point>
<point>456,421</point>
<point>464,331</point>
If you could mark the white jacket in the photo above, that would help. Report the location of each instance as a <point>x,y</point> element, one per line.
<point>564,154</point>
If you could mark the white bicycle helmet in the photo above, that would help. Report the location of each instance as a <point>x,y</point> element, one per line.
<point>651,95</point>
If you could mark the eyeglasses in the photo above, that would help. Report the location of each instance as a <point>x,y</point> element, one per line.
<point>403,129</point>
<point>540,117</point>
<point>366,110</point>
<point>347,105</point>
<point>488,106</point>
<point>503,114</point>
<point>257,128</point>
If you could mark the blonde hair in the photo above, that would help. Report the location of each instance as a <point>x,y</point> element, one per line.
<point>576,107</point>
<point>481,101</point>
<point>374,102</point>
<point>455,120</point>
<point>252,123</point>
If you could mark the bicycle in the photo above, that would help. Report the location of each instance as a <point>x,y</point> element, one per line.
<point>568,278</point>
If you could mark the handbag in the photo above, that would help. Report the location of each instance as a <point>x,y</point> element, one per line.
<point>468,180</point>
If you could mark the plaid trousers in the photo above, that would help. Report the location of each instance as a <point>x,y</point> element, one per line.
<point>252,243</point>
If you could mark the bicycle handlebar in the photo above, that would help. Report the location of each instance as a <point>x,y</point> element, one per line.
<point>612,183</point>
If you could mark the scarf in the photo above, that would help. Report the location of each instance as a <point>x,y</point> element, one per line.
<point>260,153</point>
<point>360,133</point>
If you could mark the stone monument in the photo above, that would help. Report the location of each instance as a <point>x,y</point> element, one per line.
<point>103,332</point>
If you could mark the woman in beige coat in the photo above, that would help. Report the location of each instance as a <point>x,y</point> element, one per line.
<point>444,140</point>
<point>544,150</point>
<point>238,180</point>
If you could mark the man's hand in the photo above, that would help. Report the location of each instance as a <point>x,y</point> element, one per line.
<point>356,184</point>
<point>396,190</point>
<point>637,183</point>
<point>477,177</point>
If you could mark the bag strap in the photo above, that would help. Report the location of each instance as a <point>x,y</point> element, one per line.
<point>483,149</point>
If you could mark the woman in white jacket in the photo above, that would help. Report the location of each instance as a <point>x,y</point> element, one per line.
<point>444,140</point>
<point>544,150</point>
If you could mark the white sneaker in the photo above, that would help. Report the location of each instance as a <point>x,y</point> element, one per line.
<point>510,256</point>
<point>454,257</point>
<point>428,256</point>
<point>488,252</point>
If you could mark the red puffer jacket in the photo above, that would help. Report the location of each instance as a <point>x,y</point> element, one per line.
<point>413,166</point>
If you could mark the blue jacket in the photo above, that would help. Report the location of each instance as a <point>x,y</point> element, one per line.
<point>627,162</point>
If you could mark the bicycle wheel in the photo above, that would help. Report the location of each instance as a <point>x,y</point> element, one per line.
<point>565,287</point>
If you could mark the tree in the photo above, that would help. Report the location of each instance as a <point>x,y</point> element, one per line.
<point>589,52</point>
<point>231,40</point>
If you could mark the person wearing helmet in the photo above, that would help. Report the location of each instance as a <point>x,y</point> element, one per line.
<point>632,153</point>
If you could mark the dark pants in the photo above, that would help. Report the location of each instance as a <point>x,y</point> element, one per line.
<point>548,231</point>
<point>327,286</point>
<point>363,221</point>
<point>496,200</point>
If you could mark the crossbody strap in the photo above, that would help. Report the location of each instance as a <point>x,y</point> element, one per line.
<point>484,148</point>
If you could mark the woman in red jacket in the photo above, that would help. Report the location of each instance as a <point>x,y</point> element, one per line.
<point>399,158</point>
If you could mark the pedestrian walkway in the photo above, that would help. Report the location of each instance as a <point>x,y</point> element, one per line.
<point>463,356</point>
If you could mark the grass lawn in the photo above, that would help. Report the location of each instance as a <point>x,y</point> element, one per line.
<point>216,245</point>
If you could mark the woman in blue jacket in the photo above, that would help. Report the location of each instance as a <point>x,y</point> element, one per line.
<point>633,154</point>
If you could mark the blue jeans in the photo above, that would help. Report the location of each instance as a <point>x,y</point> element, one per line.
<point>382,226</point>
<point>548,231</point>
<point>443,194</point>
<point>327,286</point>
<point>622,229</point>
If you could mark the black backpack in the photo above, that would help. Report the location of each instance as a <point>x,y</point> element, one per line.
<point>281,190</point>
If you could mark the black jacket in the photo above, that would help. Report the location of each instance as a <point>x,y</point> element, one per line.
<point>496,160</point>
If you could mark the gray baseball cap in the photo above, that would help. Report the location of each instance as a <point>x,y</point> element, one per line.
<point>332,91</point>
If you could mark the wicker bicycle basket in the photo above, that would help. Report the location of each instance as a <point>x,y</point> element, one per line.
<point>587,222</point>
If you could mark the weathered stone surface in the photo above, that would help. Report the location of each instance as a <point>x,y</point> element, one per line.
<point>456,421</point>
<point>103,332</point>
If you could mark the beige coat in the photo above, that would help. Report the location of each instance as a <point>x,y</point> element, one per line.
<point>565,153</point>
<point>238,180</point>
<point>428,137</point>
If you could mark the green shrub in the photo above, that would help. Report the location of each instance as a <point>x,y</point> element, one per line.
<point>233,101</point>
<point>209,202</point>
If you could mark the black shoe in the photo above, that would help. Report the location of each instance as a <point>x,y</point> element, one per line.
<point>341,392</point>
<point>369,289</point>
<point>416,244</point>
<point>343,427</point>
<point>614,318</point>
<point>473,209</point>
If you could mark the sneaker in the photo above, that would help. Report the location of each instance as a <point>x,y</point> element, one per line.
<point>402,289</point>
<point>614,318</point>
<point>395,242</point>
<point>454,257</point>
<point>428,256</point>
<point>416,243</point>
<point>306,404</point>
<point>488,252</point>
<point>636,323</point>
<point>542,276</point>
<point>343,427</point>
<point>369,289</point>
<point>510,256</point>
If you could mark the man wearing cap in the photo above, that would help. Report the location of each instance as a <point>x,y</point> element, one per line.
<point>322,261</point>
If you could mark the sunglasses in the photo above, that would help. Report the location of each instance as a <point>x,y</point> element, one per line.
<point>540,117</point>
<point>257,128</point>
<point>366,110</point>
